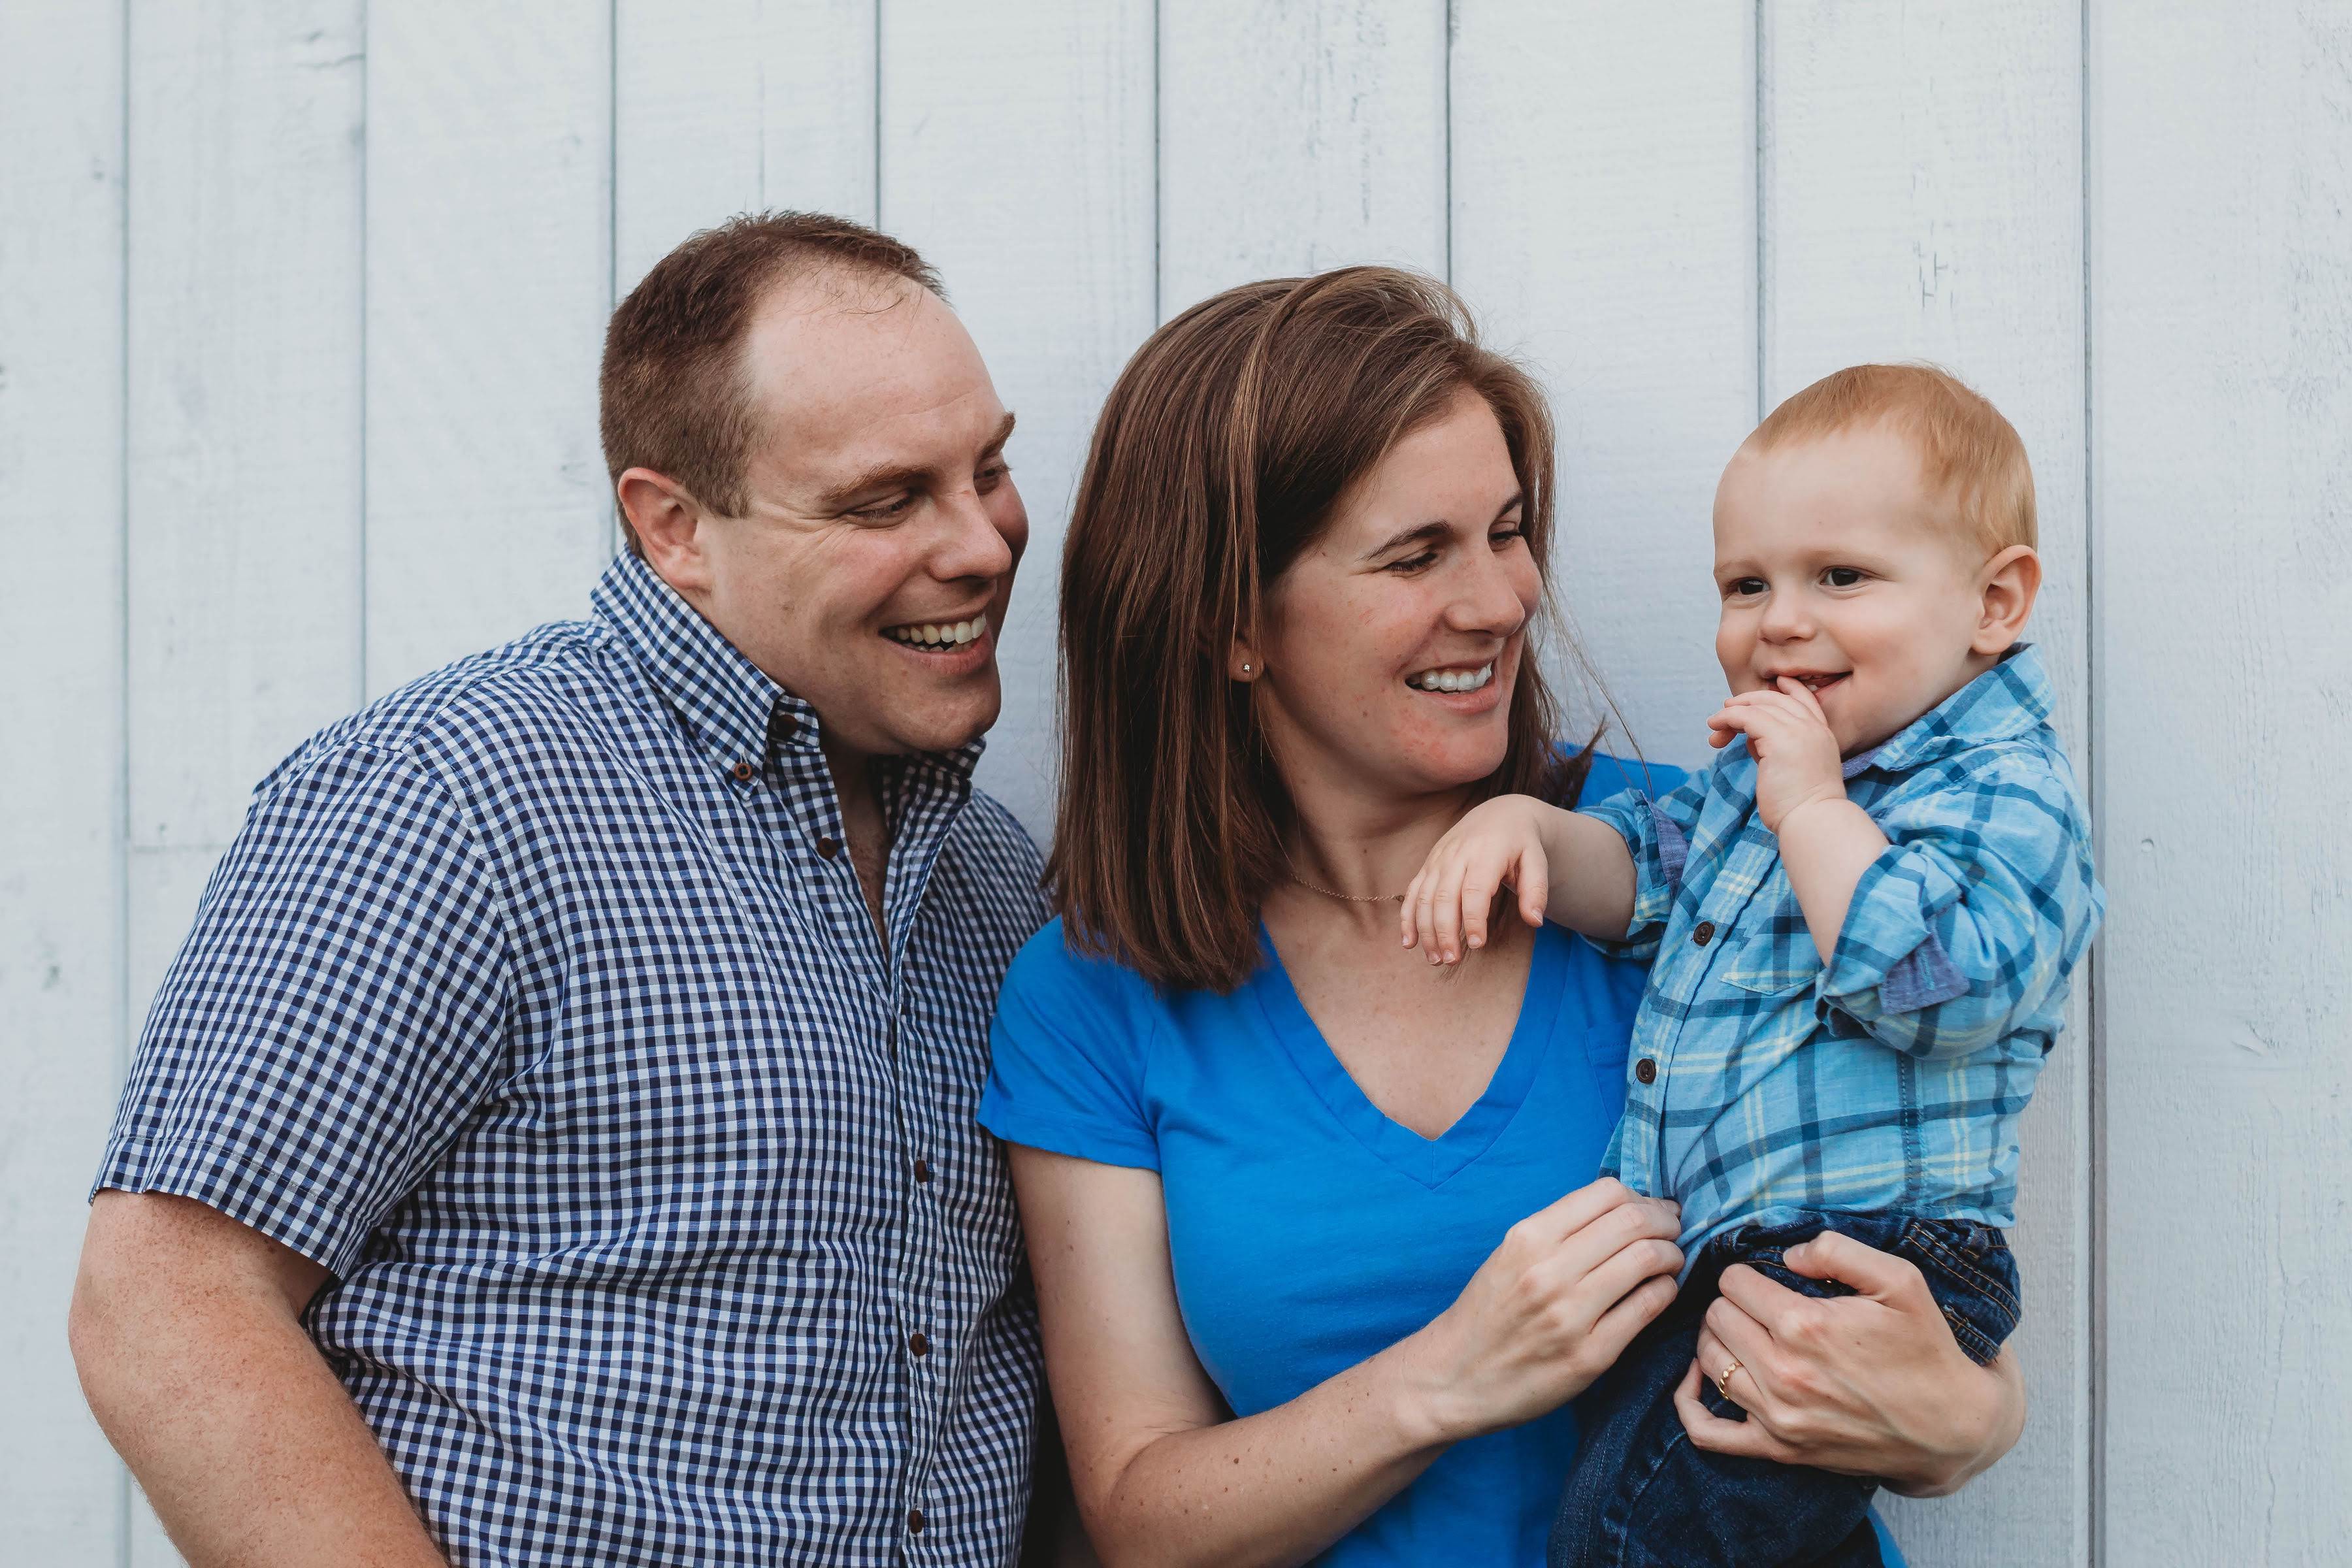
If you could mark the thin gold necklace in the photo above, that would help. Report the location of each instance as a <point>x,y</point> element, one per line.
<point>1344,897</point>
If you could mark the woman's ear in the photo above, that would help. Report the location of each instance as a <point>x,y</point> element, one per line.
<point>1243,663</point>
<point>2008,585</point>
<point>668,521</point>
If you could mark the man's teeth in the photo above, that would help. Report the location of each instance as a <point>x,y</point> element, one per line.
<point>932,634</point>
<point>1450,680</point>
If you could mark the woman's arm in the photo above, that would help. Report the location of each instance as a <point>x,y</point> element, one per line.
<point>1163,1475</point>
<point>1867,1384</point>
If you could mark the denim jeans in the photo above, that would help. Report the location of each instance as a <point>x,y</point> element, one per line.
<point>1640,1495</point>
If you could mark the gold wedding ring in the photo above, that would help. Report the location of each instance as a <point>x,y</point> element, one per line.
<point>1723,1384</point>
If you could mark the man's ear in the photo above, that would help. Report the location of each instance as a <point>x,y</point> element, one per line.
<point>2007,586</point>
<point>669,523</point>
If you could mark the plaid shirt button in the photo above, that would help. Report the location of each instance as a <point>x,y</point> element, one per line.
<point>1703,934</point>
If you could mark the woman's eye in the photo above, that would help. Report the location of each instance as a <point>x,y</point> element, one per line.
<point>1841,576</point>
<point>1505,533</point>
<point>1414,562</point>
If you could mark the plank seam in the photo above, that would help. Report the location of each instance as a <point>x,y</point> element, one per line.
<point>2094,1173</point>
<point>367,75</point>
<point>1760,107</point>
<point>121,1020</point>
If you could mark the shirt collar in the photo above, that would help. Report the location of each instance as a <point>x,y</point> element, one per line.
<point>2008,700</point>
<point>735,712</point>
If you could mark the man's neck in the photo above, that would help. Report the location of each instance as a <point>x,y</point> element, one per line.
<point>863,823</point>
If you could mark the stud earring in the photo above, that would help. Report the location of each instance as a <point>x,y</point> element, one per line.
<point>1246,669</point>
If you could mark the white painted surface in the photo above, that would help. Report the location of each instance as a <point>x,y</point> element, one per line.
<point>296,358</point>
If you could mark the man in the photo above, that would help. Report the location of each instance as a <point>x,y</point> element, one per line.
<point>554,1142</point>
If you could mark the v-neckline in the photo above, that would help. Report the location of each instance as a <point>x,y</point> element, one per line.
<point>1429,1161</point>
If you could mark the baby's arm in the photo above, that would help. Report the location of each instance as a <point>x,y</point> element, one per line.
<point>1827,842</point>
<point>1570,869</point>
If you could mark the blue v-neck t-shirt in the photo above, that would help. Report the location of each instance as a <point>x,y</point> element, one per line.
<point>1308,1230</point>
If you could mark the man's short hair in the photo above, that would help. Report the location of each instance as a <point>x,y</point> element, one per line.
<point>674,395</point>
<point>1966,449</point>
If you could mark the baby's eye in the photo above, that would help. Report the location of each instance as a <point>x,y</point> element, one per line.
<point>1841,576</point>
<point>1743,587</point>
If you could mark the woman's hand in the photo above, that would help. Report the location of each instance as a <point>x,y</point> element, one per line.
<point>1867,1384</point>
<point>1549,1310</point>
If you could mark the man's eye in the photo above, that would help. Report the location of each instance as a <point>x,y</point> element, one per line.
<point>992,476</point>
<point>1841,576</point>
<point>882,511</point>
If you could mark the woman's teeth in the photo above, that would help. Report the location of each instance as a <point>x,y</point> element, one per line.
<point>1450,680</point>
<point>935,635</point>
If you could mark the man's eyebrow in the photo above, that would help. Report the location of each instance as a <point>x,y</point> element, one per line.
<point>901,475</point>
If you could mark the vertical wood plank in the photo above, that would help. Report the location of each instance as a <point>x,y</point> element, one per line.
<point>61,801</point>
<point>488,278</point>
<point>727,106</point>
<point>1603,182</point>
<point>1298,136</point>
<point>2222,381</point>
<point>244,396</point>
<point>1016,155</point>
<point>1922,199</point>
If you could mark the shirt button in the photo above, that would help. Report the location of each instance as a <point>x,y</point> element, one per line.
<point>1705,933</point>
<point>742,772</point>
<point>914,1522</point>
<point>1646,1070</point>
<point>922,1170</point>
<point>785,727</point>
<point>828,848</point>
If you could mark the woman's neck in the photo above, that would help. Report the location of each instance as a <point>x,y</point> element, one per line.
<point>1366,847</point>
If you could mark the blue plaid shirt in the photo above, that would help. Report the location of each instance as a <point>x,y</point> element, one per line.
<point>1762,1081</point>
<point>538,1003</point>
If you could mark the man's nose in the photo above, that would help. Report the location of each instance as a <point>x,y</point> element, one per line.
<point>971,544</point>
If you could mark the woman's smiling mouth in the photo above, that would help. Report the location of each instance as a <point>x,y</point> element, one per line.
<point>1462,677</point>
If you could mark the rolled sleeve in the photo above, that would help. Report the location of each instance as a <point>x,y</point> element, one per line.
<point>1656,830</point>
<point>337,1010</point>
<point>1969,921</point>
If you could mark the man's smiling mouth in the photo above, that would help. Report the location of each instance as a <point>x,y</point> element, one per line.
<point>937,634</point>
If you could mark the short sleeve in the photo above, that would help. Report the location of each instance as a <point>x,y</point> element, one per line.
<point>1068,1052</point>
<point>337,1010</point>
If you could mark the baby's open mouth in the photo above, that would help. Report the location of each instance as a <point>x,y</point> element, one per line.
<point>1462,677</point>
<point>1818,682</point>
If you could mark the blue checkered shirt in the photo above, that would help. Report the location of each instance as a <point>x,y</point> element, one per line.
<point>1762,1081</point>
<point>538,1003</point>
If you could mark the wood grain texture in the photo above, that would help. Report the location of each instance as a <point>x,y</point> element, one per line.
<point>2221,334</point>
<point>1923,199</point>
<point>1016,155</point>
<point>61,791</point>
<point>1603,181</point>
<point>1297,135</point>
<point>245,417</point>
<point>724,106</point>
<point>488,280</point>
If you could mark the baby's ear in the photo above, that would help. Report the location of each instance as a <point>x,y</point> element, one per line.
<point>2007,587</point>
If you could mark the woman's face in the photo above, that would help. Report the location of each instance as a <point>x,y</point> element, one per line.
<point>1393,642</point>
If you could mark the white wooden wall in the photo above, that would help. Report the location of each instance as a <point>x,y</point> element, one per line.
<point>299,309</point>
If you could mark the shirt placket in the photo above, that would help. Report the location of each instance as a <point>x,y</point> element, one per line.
<point>1698,953</point>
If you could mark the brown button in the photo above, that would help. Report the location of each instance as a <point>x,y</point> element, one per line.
<point>785,727</point>
<point>919,1343</point>
<point>1705,933</point>
<point>1646,1070</point>
<point>742,772</point>
<point>914,1522</point>
<point>827,847</point>
<point>922,1170</point>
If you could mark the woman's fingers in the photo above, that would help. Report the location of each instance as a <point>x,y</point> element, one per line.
<point>1632,1312</point>
<point>1861,1268</point>
<point>1721,1434</point>
<point>1607,1233</point>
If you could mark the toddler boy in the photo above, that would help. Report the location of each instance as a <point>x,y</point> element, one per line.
<point>1862,919</point>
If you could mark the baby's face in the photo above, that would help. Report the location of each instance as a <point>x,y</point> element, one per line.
<point>1839,568</point>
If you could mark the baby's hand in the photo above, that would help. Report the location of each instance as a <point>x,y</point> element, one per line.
<point>1797,758</point>
<point>1498,843</point>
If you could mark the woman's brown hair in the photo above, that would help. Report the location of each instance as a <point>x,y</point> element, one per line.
<point>1220,455</point>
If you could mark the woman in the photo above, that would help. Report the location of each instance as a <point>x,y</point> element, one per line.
<point>1319,1257</point>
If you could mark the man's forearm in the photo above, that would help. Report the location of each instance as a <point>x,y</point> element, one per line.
<point>244,1440</point>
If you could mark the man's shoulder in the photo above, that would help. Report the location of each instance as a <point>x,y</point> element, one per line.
<point>999,860</point>
<point>468,714</point>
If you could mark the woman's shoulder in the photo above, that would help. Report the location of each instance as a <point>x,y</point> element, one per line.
<point>1068,1051</point>
<point>1612,774</point>
<point>1052,966</point>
